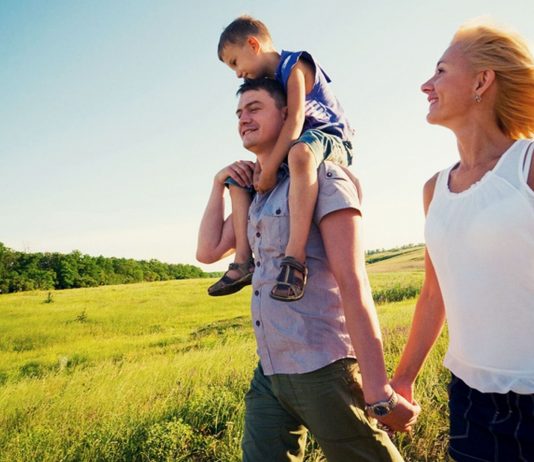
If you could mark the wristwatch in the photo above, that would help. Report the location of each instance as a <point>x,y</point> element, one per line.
<point>382,408</point>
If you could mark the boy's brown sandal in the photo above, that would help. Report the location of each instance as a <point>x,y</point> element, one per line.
<point>226,285</point>
<point>291,281</point>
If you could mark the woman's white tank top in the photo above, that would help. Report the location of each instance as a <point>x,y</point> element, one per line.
<point>481,242</point>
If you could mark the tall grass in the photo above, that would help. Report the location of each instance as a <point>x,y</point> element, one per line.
<point>154,372</point>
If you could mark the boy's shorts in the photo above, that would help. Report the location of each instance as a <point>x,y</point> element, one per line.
<point>231,182</point>
<point>325,146</point>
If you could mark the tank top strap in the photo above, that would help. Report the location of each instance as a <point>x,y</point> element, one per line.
<point>442,182</point>
<point>510,165</point>
<point>527,160</point>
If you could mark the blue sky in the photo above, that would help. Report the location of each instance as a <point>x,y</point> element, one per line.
<point>115,115</point>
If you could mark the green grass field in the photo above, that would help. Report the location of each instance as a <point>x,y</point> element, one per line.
<point>157,372</point>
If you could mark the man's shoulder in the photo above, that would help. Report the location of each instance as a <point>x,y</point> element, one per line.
<point>328,171</point>
<point>338,189</point>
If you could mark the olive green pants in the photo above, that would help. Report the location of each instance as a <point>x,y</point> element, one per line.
<point>329,402</point>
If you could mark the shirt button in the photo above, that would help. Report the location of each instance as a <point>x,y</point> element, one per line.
<point>256,292</point>
<point>278,211</point>
<point>257,263</point>
<point>258,323</point>
<point>258,234</point>
<point>329,174</point>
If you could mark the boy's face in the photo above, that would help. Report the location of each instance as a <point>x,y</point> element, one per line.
<point>245,59</point>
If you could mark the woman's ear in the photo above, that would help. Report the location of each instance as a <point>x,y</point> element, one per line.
<point>484,81</point>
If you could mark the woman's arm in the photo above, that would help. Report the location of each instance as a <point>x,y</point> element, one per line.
<point>427,322</point>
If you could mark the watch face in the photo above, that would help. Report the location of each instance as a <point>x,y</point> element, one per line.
<point>380,410</point>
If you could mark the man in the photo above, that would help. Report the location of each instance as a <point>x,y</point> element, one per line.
<point>308,377</point>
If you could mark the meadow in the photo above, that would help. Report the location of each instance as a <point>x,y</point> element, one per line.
<point>157,372</point>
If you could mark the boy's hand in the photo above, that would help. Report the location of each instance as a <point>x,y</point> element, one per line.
<point>266,181</point>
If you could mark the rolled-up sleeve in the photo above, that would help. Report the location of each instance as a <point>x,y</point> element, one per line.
<point>336,191</point>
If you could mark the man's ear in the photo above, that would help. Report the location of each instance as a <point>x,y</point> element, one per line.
<point>284,113</point>
<point>254,43</point>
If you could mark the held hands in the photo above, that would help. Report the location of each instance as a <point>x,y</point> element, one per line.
<point>241,171</point>
<point>402,417</point>
<point>403,388</point>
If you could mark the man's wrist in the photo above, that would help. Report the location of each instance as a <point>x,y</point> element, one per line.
<point>384,407</point>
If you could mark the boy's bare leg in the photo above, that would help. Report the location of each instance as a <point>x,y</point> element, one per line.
<point>240,199</point>
<point>239,273</point>
<point>303,190</point>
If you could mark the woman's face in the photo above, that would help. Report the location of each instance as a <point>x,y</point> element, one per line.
<point>451,90</point>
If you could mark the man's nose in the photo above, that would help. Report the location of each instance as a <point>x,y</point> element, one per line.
<point>239,74</point>
<point>244,118</point>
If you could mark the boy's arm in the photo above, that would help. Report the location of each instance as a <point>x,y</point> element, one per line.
<point>216,238</point>
<point>300,82</point>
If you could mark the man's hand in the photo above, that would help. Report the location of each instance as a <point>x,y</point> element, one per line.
<point>266,181</point>
<point>241,171</point>
<point>402,417</point>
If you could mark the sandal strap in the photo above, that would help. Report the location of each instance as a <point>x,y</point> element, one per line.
<point>294,263</point>
<point>243,268</point>
<point>291,281</point>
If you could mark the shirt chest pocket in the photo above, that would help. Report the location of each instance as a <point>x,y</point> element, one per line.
<point>271,232</point>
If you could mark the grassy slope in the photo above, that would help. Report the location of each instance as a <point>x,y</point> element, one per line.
<point>411,259</point>
<point>153,372</point>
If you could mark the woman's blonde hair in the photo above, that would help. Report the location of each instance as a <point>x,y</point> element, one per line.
<point>507,54</point>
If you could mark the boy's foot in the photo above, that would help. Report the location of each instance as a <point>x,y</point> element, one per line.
<point>291,280</point>
<point>241,276</point>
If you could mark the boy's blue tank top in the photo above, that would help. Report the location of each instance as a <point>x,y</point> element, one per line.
<point>322,111</point>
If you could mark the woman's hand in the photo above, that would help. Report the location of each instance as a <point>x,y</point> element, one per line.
<point>403,388</point>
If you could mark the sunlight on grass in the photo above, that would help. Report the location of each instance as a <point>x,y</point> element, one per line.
<point>157,372</point>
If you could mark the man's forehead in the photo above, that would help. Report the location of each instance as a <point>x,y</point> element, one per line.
<point>251,96</point>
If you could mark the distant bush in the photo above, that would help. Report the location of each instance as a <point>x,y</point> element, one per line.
<point>400,249</point>
<point>21,271</point>
<point>396,293</point>
<point>33,369</point>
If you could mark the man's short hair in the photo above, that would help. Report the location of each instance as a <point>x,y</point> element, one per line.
<point>271,86</point>
<point>239,29</point>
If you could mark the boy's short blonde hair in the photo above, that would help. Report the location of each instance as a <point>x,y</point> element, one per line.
<point>239,29</point>
<point>507,54</point>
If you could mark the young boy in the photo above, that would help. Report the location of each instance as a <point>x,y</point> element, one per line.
<point>315,129</point>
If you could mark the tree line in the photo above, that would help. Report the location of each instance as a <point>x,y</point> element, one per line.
<point>21,271</point>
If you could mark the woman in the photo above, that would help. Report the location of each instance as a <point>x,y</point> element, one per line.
<point>480,247</point>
